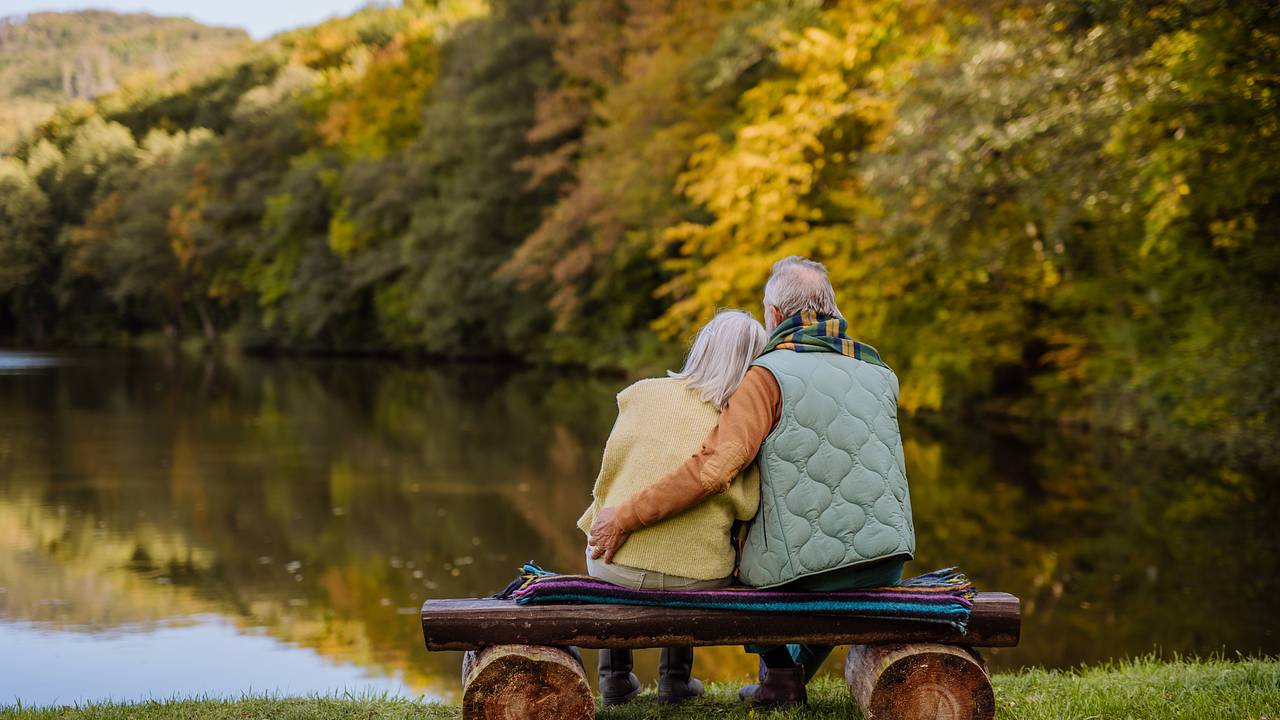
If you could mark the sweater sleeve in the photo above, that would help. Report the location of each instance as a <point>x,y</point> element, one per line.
<point>752,413</point>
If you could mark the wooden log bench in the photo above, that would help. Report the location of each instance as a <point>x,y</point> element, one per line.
<point>519,662</point>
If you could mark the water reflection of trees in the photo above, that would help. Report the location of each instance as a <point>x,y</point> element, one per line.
<point>321,500</point>
<point>1115,549</point>
<point>325,500</point>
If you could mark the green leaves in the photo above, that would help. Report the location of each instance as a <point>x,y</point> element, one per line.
<point>1061,211</point>
<point>24,215</point>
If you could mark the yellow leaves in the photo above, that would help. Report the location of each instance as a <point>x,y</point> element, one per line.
<point>1234,232</point>
<point>346,237</point>
<point>372,97</point>
<point>343,238</point>
<point>1168,207</point>
<point>1049,275</point>
<point>924,392</point>
<point>380,107</point>
<point>771,184</point>
<point>320,43</point>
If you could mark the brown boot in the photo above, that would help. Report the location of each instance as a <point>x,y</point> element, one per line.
<point>778,687</point>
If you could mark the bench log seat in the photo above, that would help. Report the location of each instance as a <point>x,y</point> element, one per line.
<point>517,664</point>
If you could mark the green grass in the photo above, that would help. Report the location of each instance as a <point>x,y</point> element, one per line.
<point>1142,689</point>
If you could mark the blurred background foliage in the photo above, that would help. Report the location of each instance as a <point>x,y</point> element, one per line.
<point>1060,211</point>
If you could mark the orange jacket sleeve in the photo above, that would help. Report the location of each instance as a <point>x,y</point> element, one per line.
<point>753,411</point>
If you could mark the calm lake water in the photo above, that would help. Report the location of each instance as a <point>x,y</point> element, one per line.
<point>173,526</point>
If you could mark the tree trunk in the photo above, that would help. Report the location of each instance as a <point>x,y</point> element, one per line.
<point>206,323</point>
<point>919,682</point>
<point>37,322</point>
<point>525,682</point>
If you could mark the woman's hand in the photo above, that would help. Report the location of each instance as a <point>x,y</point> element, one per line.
<point>606,537</point>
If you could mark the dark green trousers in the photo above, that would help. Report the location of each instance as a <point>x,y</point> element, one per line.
<point>878,574</point>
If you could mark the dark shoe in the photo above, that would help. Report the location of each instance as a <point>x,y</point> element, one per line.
<point>675,676</point>
<point>617,683</point>
<point>778,687</point>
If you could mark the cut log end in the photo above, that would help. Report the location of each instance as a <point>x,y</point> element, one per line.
<point>525,682</point>
<point>915,682</point>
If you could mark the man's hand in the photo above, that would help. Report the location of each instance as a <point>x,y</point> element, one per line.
<point>606,537</point>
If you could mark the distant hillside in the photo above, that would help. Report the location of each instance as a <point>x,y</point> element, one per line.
<point>49,58</point>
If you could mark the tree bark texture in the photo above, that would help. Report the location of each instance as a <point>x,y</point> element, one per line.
<point>525,682</point>
<point>919,682</point>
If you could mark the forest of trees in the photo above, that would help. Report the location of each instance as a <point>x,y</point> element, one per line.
<point>50,58</point>
<point>1060,211</point>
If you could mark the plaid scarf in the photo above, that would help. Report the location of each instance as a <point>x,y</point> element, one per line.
<point>807,331</point>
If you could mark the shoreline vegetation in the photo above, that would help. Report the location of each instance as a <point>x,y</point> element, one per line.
<point>1053,211</point>
<point>1146,689</point>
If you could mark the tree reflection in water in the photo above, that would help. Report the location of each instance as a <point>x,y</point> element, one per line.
<point>323,501</point>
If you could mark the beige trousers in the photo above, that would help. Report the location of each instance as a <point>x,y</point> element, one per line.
<point>638,579</point>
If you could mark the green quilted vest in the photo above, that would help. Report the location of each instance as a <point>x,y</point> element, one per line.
<point>833,476</point>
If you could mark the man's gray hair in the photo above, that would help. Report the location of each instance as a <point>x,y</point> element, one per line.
<point>721,355</point>
<point>797,284</point>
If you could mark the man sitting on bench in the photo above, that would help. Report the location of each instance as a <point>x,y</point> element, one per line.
<point>820,409</point>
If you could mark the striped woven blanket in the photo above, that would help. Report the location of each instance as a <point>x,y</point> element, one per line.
<point>943,596</point>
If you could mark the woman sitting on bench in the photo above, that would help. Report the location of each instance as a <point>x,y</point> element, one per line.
<point>661,422</point>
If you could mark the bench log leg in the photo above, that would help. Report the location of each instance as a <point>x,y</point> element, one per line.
<point>519,682</point>
<point>915,682</point>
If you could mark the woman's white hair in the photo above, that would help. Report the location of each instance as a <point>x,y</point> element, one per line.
<point>721,355</point>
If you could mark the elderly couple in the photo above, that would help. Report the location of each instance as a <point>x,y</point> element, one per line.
<point>827,509</point>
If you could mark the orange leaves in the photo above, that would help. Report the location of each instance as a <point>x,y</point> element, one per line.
<point>184,218</point>
<point>1068,355</point>
<point>87,239</point>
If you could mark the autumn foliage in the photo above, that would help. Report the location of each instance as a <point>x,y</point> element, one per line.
<point>1060,211</point>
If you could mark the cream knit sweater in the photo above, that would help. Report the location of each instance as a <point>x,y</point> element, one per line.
<point>660,424</point>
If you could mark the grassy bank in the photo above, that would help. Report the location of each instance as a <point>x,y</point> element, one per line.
<point>1147,689</point>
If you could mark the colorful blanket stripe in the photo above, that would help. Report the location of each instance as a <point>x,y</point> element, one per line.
<point>807,331</point>
<point>943,596</point>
